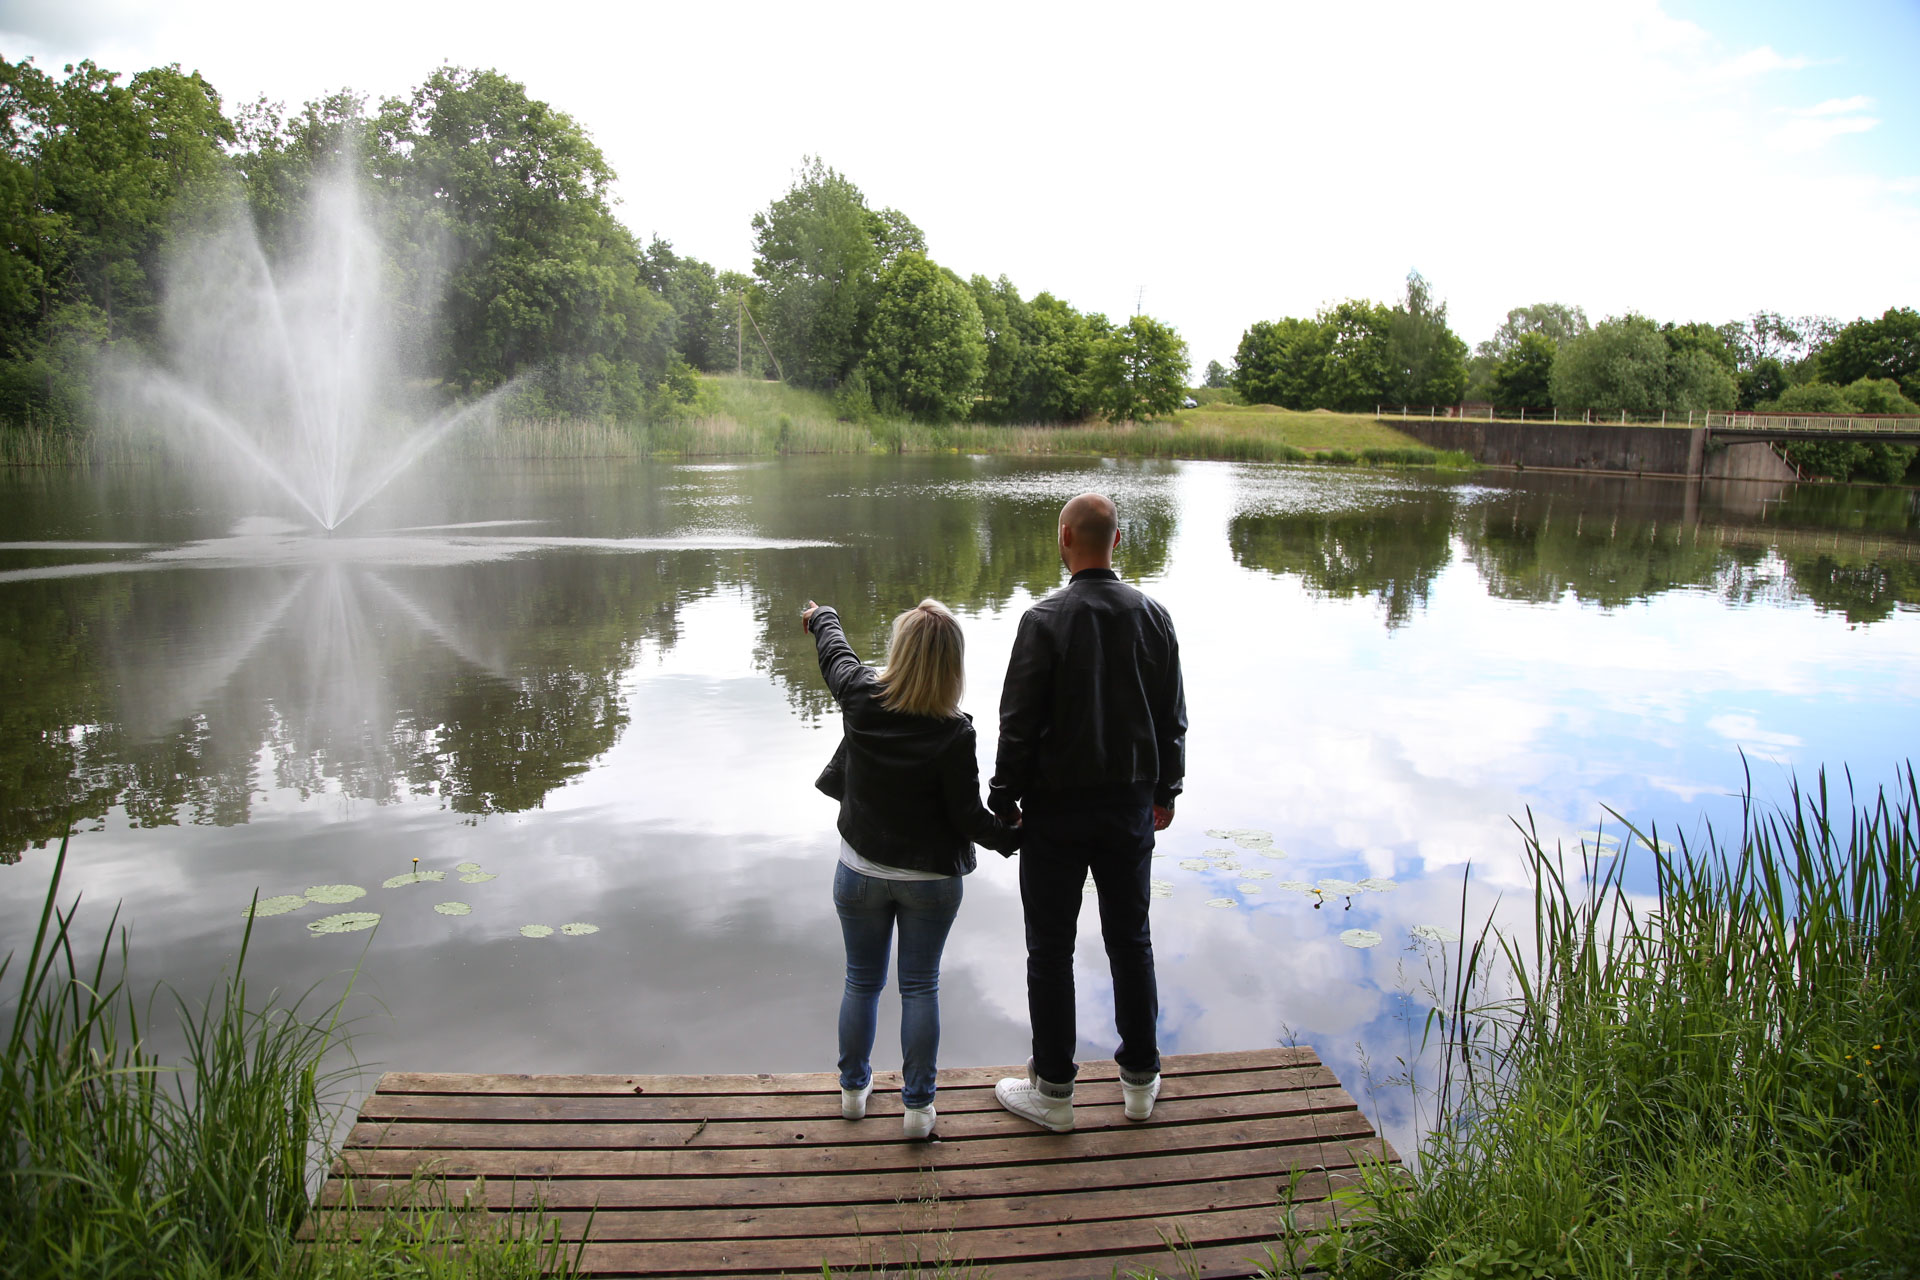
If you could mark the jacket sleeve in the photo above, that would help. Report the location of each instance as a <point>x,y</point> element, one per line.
<point>1024,702</point>
<point>960,788</point>
<point>838,665</point>
<point>1170,723</point>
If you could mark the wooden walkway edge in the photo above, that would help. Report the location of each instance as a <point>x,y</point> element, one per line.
<point>757,1175</point>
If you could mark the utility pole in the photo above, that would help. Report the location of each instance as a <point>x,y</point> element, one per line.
<point>740,337</point>
<point>1139,299</point>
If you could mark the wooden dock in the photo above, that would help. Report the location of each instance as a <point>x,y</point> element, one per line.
<point>757,1175</point>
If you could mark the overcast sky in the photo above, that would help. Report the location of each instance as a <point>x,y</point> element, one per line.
<point>1694,160</point>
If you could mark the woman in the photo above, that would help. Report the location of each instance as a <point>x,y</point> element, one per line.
<point>909,813</point>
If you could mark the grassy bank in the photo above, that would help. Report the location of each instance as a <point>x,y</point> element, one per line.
<point>117,1165</point>
<point>1722,1081</point>
<point>749,417</point>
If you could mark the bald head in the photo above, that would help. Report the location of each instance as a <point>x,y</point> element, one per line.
<point>1089,531</point>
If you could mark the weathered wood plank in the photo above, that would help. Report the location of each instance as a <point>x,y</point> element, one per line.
<point>1141,1173</point>
<point>718,1162</point>
<point>989,1247</point>
<point>820,1081</point>
<point>953,1098</point>
<point>950,1126</point>
<point>930,1214</point>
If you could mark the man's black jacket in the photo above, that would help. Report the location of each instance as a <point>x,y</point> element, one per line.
<point>912,794</point>
<point>1094,705</point>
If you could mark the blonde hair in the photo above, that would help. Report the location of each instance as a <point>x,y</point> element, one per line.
<point>925,663</point>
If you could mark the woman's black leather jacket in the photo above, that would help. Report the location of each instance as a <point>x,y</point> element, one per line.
<point>912,793</point>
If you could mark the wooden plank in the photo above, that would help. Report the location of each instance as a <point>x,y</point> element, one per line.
<point>952,1099</point>
<point>821,1081</point>
<point>917,1215</point>
<point>714,1162</point>
<point>989,1247</point>
<point>950,1126</point>
<point>948,1184</point>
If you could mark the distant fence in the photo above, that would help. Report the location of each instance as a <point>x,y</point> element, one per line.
<point>1471,412</point>
<point>1815,423</point>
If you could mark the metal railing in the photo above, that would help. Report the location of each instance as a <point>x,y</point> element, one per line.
<point>1852,424</point>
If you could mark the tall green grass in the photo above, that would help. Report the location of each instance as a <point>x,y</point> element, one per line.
<point>1720,1080</point>
<point>117,1165</point>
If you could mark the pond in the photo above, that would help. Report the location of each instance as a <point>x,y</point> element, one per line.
<point>560,724</point>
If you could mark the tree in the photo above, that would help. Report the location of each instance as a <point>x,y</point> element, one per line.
<point>1554,320</point>
<point>1357,370</point>
<point>1281,362</point>
<point>703,318</point>
<point>1885,348</point>
<point>1763,380</point>
<point>1139,371</point>
<point>1429,360</point>
<point>1216,378</point>
<point>1523,377</point>
<point>818,251</point>
<point>1060,344</point>
<point>1620,364</point>
<point>928,348</point>
<point>544,279</point>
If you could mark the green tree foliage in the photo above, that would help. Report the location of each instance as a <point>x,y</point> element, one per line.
<point>1885,348</point>
<point>1848,459</point>
<point>1357,371</point>
<point>1216,376</point>
<point>1279,362</point>
<point>818,251</point>
<point>705,310</point>
<point>1523,376</point>
<point>1555,321</point>
<point>544,279</point>
<point>1039,355</point>
<point>1138,372</point>
<point>1629,363</point>
<point>97,176</point>
<point>927,349</point>
<point>1429,360</point>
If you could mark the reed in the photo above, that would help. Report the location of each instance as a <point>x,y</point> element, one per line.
<point>117,1165</point>
<point>1723,1079</point>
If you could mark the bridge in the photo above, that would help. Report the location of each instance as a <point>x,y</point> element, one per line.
<point>1885,428</point>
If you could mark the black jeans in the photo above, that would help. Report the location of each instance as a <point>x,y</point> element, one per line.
<point>1113,838</point>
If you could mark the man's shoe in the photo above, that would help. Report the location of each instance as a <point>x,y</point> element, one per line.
<point>1139,1097</point>
<point>853,1102</point>
<point>1025,1099</point>
<point>917,1122</point>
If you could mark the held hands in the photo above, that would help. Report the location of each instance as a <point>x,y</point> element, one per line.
<point>806,617</point>
<point>1162,818</point>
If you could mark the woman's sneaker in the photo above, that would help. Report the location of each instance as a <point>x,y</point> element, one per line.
<point>853,1102</point>
<point>1028,1099</point>
<point>917,1122</point>
<point>1139,1097</point>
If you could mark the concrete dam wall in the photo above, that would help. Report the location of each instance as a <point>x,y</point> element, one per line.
<point>1593,446</point>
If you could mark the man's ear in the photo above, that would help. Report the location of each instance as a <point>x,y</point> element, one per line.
<point>1066,535</point>
<point>1116,537</point>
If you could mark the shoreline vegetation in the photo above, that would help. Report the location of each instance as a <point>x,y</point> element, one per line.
<point>748,417</point>
<point>1722,1079</point>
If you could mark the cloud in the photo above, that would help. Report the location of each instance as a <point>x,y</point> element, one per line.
<point>1837,106</point>
<point>1812,132</point>
<point>1757,62</point>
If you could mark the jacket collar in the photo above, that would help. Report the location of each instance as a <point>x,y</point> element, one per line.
<point>1104,575</point>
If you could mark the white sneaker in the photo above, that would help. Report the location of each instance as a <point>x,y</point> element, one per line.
<point>917,1122</point>
<point>1139,1097</point>
<point>853,1102</point>
<point>1024,1099</point>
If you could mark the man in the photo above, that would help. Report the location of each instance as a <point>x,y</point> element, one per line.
<point>1093,725</point>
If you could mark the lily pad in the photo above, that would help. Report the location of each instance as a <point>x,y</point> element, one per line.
<point>1215,833</point>
<point>1435,933</point>
<point>1295,886</point>
<point>536,931</point>
<point>1361,938</point>
<point>1660,846</point>
<point>278,905</point>
<point>335,893</point>
<point>1599,837</point>
<point>1247,888</point>
<point>412,877</point>
<point>1218,853</point>
<point>1222,903</point>
<point>452,908</point>
<point>1257,873</point>
<point>1378,884</point>
<point>578,930</point>
<point>478,877</point>
<point>1159,888</point>
<point>1269,851</point>
<point>1255,840</point>
<point>346,922</point>
<point>467,866</point>
<point>1339,888</point>
<point>1194,864</point>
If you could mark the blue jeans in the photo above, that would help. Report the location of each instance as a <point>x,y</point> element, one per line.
<point>869,908</point>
